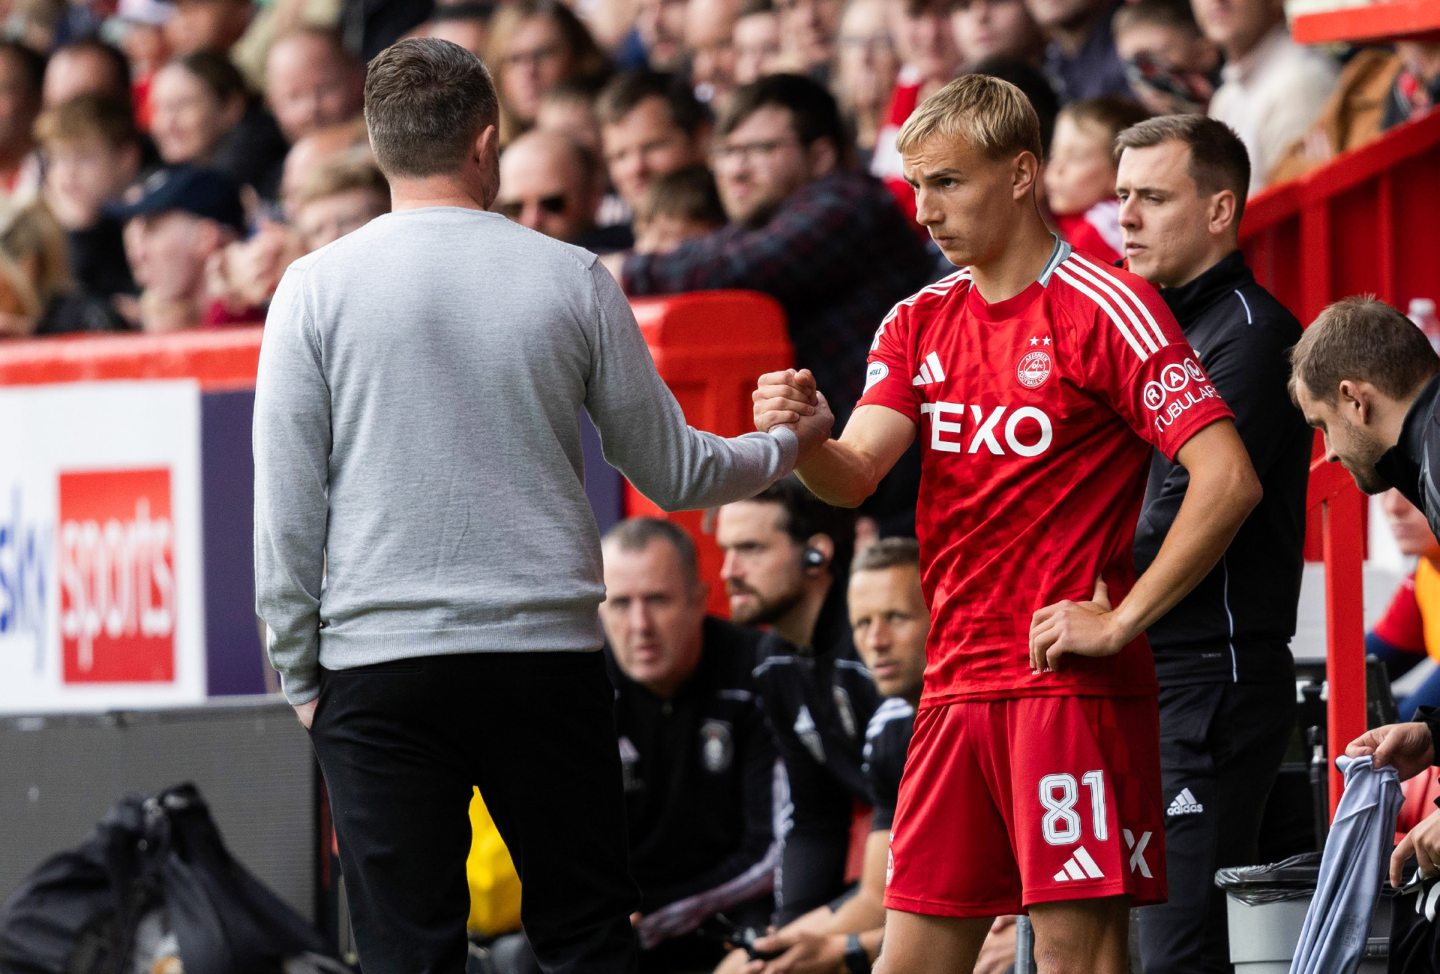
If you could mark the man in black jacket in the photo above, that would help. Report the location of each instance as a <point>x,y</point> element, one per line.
<point>1366,378</point>
<point>702,781</point>
<point>701,776</point>
<point>787,557</point>
<point>1222,655</point>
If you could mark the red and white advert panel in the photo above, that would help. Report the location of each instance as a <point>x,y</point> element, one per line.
<point>100,570</point>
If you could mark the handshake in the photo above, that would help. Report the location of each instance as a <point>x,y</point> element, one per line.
<point>790,399</point>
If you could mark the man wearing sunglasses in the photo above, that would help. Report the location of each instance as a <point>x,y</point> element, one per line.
<point>552,184</point>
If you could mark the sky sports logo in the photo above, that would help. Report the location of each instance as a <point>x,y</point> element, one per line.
<point>24,571</point>
<point>116,560</point>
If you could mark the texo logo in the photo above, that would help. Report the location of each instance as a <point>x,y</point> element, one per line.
<point>1026,431</point>
<point>117,577</point>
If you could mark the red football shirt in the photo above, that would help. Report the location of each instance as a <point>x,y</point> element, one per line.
<point>1036,419</point>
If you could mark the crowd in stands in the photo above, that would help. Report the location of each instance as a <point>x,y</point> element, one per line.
<point>790,106</point>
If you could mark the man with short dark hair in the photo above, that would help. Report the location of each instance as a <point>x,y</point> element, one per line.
<point>1365,377</point>
<point>787,556</point>
<point>1222,654</point>
<point>651,125</point>
<point>828,243</point>
<point>889,623</point>
<point>434,624</point>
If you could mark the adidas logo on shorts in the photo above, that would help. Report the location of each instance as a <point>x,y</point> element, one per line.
<point>1079,866</point>
<point>1184,804</point>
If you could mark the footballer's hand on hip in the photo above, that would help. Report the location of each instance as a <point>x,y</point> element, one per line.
<point>1083,628</point>
<point>783,398</point>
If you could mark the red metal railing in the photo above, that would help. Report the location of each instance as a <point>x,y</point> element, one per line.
<point>1334,506</point>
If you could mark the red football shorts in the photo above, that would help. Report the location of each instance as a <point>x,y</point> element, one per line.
<point>1007,803</point>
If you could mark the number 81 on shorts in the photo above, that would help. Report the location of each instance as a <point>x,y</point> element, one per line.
<point>1065,808</point>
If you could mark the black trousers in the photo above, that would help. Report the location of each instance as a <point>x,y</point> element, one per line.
<point>1221,745</point>
<point>401,744</point>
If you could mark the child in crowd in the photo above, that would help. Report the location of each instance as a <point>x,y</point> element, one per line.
<point>676,208</point>
<point>1080,174</point>
<point>92,152</point>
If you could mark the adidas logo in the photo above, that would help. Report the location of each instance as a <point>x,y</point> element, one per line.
<point>930,371</point>
<point>1079,866</point>
<point>1184,804</point>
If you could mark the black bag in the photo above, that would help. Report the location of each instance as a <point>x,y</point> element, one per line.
<point>78,912</point>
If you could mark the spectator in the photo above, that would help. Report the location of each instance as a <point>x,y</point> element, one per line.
<point>1376,91</point>
<point>466,23</point>
<point>827,243</point>
<point>758,50</point>
<point>207,25</point>
<point>889,622</point>
<point>551,184</point>
<point>1080,173</point>
<point>787,556</point>
<point>807,34</point>
<point>203,114</point>
<point>677,207</point>
<point>341,195</point>
<point>1036,88</point>
<point>174,222</point>
<point>1172,67</point>
<point>865,68</point>
<point>660,27</point>
<point>311,82</point>
<point>928,59</point>
<point>305,157</point>
<point>534,45</point>
<point>569,107</point>
<point>22,73</point>
<point>709,43</point>
<point>92,152</point>
<point>986,29</point>
<point>37,295</point>
<point>1365,377</point>
<point>1272,87</point>
<point>86,67</point>
<point>1222,652</point>
<point>651,125</point>
<point>141,28</point>
<point>1410,628</point>
<point>1080,57</point>
<point>700,767</point>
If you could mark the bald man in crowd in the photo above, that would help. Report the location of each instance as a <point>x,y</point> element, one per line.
<point>550,183</point>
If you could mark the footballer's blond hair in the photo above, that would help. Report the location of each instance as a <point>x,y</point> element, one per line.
<point>991,115</point>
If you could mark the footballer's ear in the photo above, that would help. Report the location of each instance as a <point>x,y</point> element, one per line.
<point>1025,170</point>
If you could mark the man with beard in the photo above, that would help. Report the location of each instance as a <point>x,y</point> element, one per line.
<point>787,556</point>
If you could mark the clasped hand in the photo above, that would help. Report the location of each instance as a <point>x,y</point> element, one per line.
<point>790,399</point>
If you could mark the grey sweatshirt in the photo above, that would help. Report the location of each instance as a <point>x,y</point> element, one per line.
<point>419,484</point>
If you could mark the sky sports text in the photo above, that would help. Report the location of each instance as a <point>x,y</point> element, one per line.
<point>25,552</point>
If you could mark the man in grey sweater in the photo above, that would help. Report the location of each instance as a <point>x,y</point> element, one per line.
<point>426,559</point>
